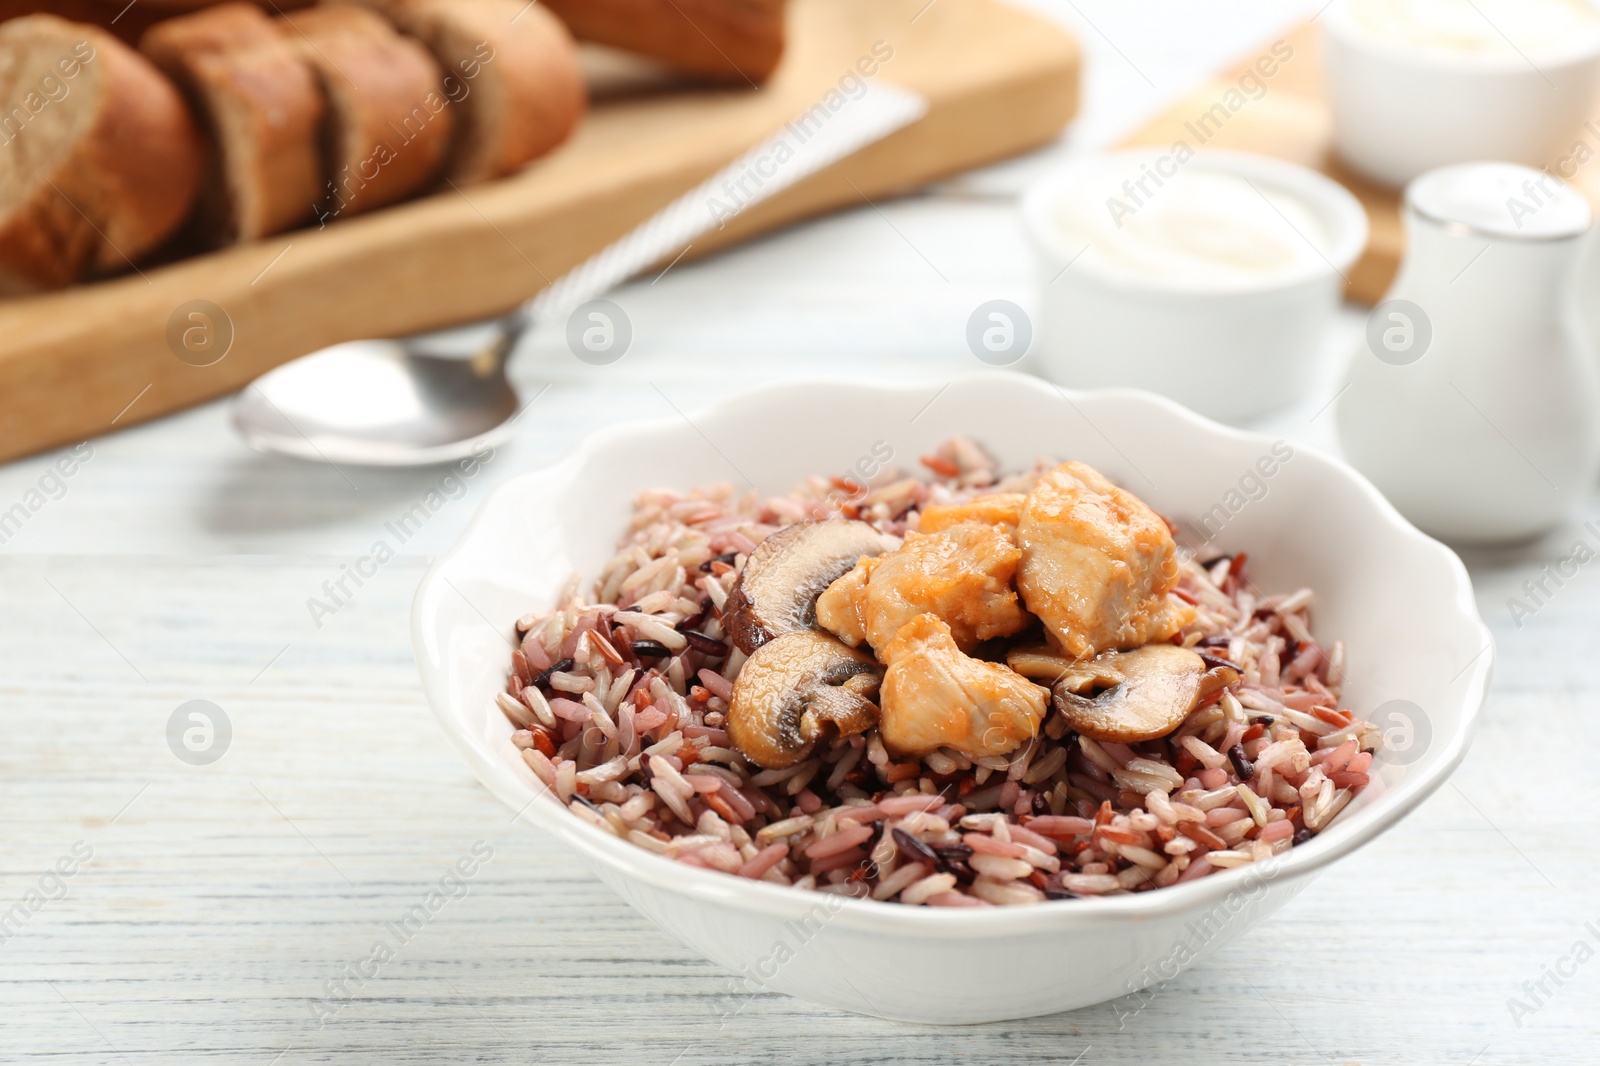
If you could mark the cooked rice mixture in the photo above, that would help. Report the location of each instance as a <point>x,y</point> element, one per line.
<point>620,705</point>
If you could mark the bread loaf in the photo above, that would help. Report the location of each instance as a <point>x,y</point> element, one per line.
<point>511,75</point>
<point>119,17</point>
<point>99,159</point>
<point>262,107</point>
<point>726,40</point>
<point>388,122</point>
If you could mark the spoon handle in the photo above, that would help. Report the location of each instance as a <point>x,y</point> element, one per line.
<point>816,138</point>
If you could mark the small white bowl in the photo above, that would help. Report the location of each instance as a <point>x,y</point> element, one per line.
<point>1401,109</point>
<point>1402,603</point>
<point>1229,347</point>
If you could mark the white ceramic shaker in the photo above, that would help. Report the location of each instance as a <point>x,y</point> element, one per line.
<point>1474,404</point>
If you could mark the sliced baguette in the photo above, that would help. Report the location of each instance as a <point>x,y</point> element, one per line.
<point>123,19</point>
<point>388,124</point>
<point>512,75</point>
<point>100,161</point>
<point>263,108</point>
<point>725,40</point>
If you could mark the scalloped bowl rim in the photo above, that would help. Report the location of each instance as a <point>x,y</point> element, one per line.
<point>542,810</point>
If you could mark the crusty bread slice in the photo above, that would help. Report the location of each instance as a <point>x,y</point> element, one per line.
<point>511,73</point>
<point>389,123</point>
<point>726,40</point>
<point>263,108</point>
<point>124,19</point>
<point>99,159</point>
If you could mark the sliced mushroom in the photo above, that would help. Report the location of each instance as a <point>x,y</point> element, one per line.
<point>777,592</point>
<point>1218,677</point>
<point>1047,665</point>
<point>1041,663</point>
<point>1129,696</point>
<point>796,689</point>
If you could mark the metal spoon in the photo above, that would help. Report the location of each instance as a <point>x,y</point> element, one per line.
<point>434,397</point>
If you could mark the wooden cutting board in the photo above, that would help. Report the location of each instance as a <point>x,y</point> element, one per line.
<point>80,362</point>
<point>1292,121</point>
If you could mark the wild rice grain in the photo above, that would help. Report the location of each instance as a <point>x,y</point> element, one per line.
<point>541,766</point>
<point>1026,836</point>
<point>609,770</point>
<point>999,867</point>
<point>1208,756</point>
<point>843,840</point>
<point>765,859</point>
<point>930,886</point>
<point>566,782</point>
<point>787,827</point>
<point>839,861</point>
<point>1090,884</point>
<point>897,806</point>
<point>988,845</point>
<point>1006,893</point>
<point>596,701</point>
<point>902,878</point>
<point>1064,827</point>
<point>1228,859</point>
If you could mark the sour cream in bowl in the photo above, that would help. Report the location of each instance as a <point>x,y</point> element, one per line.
<point>1420,84</point>
<point>1207,277</point>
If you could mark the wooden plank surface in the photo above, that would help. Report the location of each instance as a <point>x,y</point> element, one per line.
<point>1291,120</point>
<point>222,900</point>
<point>998,81</point>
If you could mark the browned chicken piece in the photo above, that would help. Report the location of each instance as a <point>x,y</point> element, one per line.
<point>842,609</point>
<point>935,697</point>
<point>995,509</point>
<point>962,574</point>
<point>1097,564</point>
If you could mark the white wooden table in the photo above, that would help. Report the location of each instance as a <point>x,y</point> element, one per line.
<point>211,907</point>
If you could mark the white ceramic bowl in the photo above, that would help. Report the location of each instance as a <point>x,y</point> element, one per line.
<point>1401,601</point>
<point>1228,349</point>
<point>1400,109</point>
